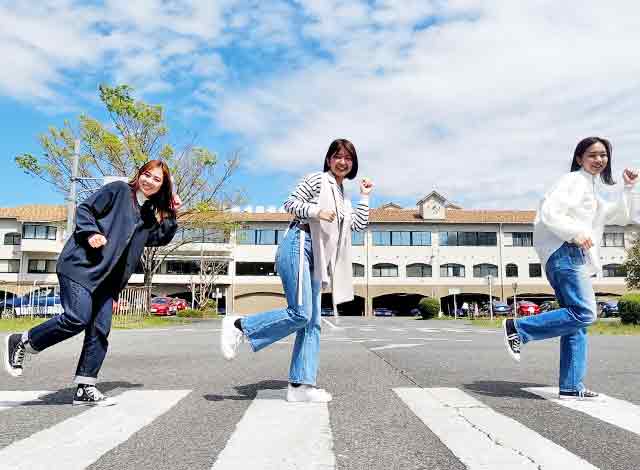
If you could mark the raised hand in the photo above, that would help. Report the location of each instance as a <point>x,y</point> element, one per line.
<point>366,186</point>
<point>97,240</point>
<point>630,176</point>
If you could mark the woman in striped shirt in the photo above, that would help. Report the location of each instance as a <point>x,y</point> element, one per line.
<point>315,253</point>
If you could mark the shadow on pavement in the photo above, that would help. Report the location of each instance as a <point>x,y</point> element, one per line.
<point>249,391</point>
<point>65,396</point>
<point>494,388</point>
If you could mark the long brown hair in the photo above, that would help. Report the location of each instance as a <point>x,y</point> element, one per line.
<point>581,149</point>
<point>162,200</point>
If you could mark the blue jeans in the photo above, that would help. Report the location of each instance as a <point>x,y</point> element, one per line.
<point>81,312</point>
<point>571,282</point>
<point>266,328</point>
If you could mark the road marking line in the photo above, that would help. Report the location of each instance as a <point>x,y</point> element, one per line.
<point>81,440</point>
<point>483,439</point>
<point>12,399</point>
<point>331,324</point>
<point>429,339</point>
<point>394,346</point>
<point>620,413</point>
<point>276,435</point>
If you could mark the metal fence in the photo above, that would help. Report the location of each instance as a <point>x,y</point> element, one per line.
<point>131,307</point>
<point>44,301</point>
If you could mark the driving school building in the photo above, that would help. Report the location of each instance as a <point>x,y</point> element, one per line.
<point>433,249</point>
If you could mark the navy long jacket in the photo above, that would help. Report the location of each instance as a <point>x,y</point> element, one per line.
<point>112,211</point>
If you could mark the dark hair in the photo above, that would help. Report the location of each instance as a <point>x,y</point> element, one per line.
<point>335,147</point>
<point>162,200</point>
<point>582,147</point>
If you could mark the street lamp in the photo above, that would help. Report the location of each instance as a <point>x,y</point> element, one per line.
<point>515,305</point>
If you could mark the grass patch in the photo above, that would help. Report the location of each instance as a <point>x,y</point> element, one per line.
<point>600,327</point>
<point>19,324</point>
<point>148,321</point>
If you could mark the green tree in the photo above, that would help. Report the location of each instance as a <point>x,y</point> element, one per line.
<point>632,266</point>
<point>135,133</point>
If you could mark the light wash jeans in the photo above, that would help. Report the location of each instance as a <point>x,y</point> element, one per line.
<point>571,282</point>
<point>266,328</point>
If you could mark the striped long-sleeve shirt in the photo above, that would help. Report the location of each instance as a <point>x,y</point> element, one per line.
<point>303,203</point>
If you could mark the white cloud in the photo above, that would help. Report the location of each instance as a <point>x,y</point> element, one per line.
<point>486,104</point>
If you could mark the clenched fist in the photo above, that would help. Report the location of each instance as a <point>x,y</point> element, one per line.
<point>97,240</point>
<point>366,186</point>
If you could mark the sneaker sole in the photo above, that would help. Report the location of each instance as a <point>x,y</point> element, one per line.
<point>506,342</point>
<point>97,404</point>
<point>7,366</point>
<point>227,321</point>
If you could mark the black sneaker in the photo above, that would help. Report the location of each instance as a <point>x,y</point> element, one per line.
<point>581,395</point>
<point>89,395</point>
<point>14,353</point>
<point>511,339</point>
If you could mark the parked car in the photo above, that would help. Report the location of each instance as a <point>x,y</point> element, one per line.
<point>162,306</point>
<point>609,309</point>
<point>181,304</point>
<point>384,312</point>
<point>547,305</point>
<point>526,308</point>
<point>33,304</point>
<point>501,308</point>
<point>326,312</point>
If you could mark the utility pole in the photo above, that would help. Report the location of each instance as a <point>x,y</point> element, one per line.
<point>71,198</point>
<point>490,297</point>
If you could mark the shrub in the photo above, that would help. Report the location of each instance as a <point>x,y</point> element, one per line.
<point>629,309</point>
<point>196,313</point>
<point>429,308</point>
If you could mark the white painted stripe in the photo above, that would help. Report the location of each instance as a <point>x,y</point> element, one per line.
<point>429,330</point>
<point>397,346</point>
<point>428,339</point>
<point>611,410</point>
<point>483,439</point>
<point>11,399</point>
<point>79,441</point>
<point>335,327</point>
<point>456,330</point>
<point>276,435</point>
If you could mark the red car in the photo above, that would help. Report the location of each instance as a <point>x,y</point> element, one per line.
<point>526,308</point>
<point>162,306</point>
<point>180,304</point>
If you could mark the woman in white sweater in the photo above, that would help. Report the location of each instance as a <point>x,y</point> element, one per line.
<point>315,253</point>
<point>568,229</point>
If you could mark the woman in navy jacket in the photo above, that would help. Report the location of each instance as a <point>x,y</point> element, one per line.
<point>113,227</point>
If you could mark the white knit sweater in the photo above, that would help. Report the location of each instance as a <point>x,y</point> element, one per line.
<point>574,207</point>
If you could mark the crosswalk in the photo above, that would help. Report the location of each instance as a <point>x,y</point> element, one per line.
<point>271,434</point>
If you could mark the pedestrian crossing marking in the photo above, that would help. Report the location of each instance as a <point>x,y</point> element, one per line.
<point>611,410</point>
<point>11,399</point>
<point>79,441</point>
<point>483,439</point>
<point>276,435</point>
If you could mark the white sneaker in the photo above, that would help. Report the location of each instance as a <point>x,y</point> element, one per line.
<point>308,393</point>
<point>230,338</point>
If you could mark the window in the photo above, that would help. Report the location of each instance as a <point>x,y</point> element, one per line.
<point>418,270</point>
<point>468,239</point>
<point>401,238</point>
<point>452,270</point>
<point>385,270</point>
<point>522,239</point>
<point>357,270</point>
<point>381,238</point>
<point>266,237</point>
<point>39,232</point>
<point>512,270</point>
<point>485,269</point>
<point>535,270</point>
<point>39,266</point>
<point>421,238</point>
<point>215,235</point>
<point>357,238</point>
<point>244,268</point>
<point>9,265</point>
<point>246,237</point>
<point>614,270</point>
<point>183,267</point>
<point>12,239</point>
<point>611,239</point>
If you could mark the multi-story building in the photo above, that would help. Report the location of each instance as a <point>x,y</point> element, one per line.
<point>436,249</point>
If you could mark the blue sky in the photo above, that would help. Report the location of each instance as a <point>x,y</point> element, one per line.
<point>480,100</point>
